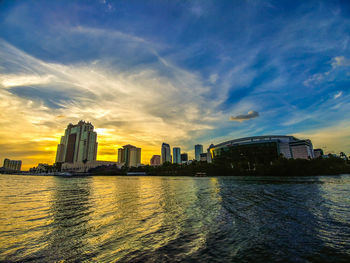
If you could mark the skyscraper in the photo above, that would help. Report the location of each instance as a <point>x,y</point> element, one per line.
<point>78,144</point>
<point>129,155</point>
<point>177,155</point>
<point>198,149</point>
<point>166,156</point>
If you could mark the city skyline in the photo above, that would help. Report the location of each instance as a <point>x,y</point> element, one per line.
<point>151,72</point>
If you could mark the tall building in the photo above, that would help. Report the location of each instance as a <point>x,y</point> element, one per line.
<point>165,151</point>
<point>177,155</point>
<point>78,144</point>
<point>155,160</point>
<point>14,165</point>
<point>129,155</point>
<point>184,157</point>
<point>198,149</point>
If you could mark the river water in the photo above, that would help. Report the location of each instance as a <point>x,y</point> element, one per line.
<point>174,219</point>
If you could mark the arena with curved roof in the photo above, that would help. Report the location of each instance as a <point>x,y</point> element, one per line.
<point>264,148</point>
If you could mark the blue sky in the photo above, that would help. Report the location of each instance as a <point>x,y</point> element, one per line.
<point>183,72</point>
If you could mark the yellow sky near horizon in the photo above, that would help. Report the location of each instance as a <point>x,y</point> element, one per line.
<point>143,107</point>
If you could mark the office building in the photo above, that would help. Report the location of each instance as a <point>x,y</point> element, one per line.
<point>204,157</point>
<point>263,149</point>
<point>78,144</point>
<point>165,153</point>
<point>184,158</point>
<point>129,156</point>
<point>177,155</point>
<point>198,149</point>
<point>14,165</point>
<point>155,160</point>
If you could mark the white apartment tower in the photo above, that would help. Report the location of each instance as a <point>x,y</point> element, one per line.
<point>78,144</point>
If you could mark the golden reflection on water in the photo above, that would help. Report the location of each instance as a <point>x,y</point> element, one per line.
<point>18,220</point>
<point>147,212</point>
<point>108,219</point>
<point>73,216</point>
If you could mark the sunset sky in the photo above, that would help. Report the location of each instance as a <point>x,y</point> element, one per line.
<point>181,72</point>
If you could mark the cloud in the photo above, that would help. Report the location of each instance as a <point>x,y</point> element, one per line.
<point>142,106</point>
<point>244,117</point>
<point>339,94</point>
<point>340,61</point>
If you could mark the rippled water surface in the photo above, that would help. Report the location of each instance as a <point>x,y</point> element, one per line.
<point>174,219</point>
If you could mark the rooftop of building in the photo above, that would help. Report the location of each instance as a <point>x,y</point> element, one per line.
<point>80,123</point>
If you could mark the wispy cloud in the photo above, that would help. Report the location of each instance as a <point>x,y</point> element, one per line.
<point>340,61</point>
<point>338,94</point>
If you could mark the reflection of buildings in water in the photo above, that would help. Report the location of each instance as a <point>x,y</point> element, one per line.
<point>204,216</point>
<point>188,206</point>
<point>70,211</point>
<point>121,215</point>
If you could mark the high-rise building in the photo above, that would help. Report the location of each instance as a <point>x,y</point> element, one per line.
<point>14,165</point>
<point>177,155</point>
<point>155,160</point>
<point>129,155</point>
<point>198,149</point>
<point>165,151</point>
<point>184,157</point>
<point>78,144</point>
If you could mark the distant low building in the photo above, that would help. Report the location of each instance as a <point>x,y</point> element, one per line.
<point>155,160</point>
<point>318,153</point>
<point>12,165</point>
<point>184,158</point>
<point>204,157</point>
<point>82,167</point>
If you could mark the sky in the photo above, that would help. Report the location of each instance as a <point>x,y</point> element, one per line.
<point>180,72</point>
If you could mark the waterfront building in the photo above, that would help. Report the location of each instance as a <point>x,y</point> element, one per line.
<point>198,149</point>
<point>79,144</point>
<point>129,156</point>
<point>155,160</point>
<point>263,149</point>
<point>184,157</point>
<point>177,155</point>
<point>302,149</point>
<point>83,167</point>
<point>165,152</point>
<point>204,157</point>
<point>14,165</point>
<point>318,153</point>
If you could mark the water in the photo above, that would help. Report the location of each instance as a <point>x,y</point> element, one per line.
<point>174,219</point>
